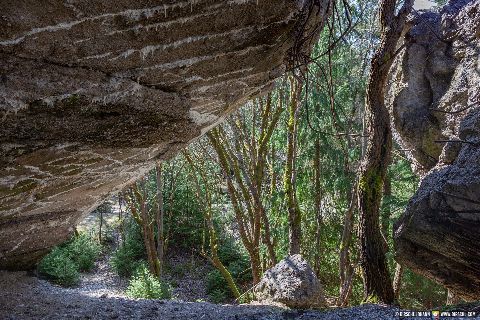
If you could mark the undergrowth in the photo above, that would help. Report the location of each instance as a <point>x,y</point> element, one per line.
<point>145,285</point>
<point>65,262</point>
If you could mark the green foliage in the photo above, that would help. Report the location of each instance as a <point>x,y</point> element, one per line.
<point>418,292</point>
<point>145,285</point>
<point>58,267</point>
<point>83,250</point>
<point>337,125</point>
<point>63,264</point>
<point>127,257</point>
<point>440,3</point>
<point>186,227</point>
<point>216,282</point>
<point>217,295</point>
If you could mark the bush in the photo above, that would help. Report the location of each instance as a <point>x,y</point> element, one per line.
<point>145,285</point>
<point>217,296</point>
<point>240,270</point>
<point>83,250</point>
<point>126,259</point>
<point>63,263</point>
<point>216,282</point>
<point>58,267</point>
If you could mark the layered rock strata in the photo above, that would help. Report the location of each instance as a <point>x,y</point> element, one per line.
<point>93,92</point>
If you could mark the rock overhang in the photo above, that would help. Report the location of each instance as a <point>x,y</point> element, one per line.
<point>92,93</point>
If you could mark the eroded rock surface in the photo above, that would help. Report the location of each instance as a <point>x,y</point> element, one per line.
<point>93,92</point>
<point>435,95</point>
<point>292,283</point>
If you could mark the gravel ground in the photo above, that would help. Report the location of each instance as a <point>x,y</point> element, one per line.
<point>23,296</point>
<point>100,282</point>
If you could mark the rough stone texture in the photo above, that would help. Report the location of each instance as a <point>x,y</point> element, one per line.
<point>435,95</point>
<point>291,282</point>
<point>93,92</point>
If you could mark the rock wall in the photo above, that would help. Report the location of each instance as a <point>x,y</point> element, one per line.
<point>435,109</point>
<point>93,92</point>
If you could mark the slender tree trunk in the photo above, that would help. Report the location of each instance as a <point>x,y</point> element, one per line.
<point>160,217</point>
<point>148,237</point>
<point>213,241</point>
<point>138,196</point>
<point>100,227</point>
<point>397,281</point>
<point>256,265</point>
<point>346,268</point>
<point>294,216</point>
<point>376,277</point>
<point>267,238</point>
<point>318,208</point>
<point>120,217</point>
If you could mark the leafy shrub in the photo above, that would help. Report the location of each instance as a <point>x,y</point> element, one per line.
<point>145,285</point>
<point>240,270</point>
<point>125,260</point>
<point>59,267</point>
<point>63,263</point>
<point>217,296</point>
<point>418,292</point>
<point>216,282</point>
<point>83,250</point>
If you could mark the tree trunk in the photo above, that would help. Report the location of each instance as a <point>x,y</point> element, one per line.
<point>138,197</point>
<point>256,266</point>
<point>100,227</point>
<point>376,277</point>
<point>148,236</point>
<point>243,159</point>
<point>267,238</point>
<point>387,193</point>
<point>294,216</point>
<point>397,281</point>
<point>213,241</point>
<point>318,208</point>
<point>160,217</point>
<point>121,218</point>
<point>346,268</point>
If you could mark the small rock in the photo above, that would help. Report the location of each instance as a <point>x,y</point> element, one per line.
<point>293,283</point>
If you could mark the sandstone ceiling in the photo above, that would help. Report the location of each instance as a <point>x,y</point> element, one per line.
<point>93,92</point>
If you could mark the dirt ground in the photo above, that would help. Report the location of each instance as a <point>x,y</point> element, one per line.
<point>23,296</point>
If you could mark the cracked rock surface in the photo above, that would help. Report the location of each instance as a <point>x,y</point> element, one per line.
<point>291,282</point>
<point>93,92</point>
<point>434,103</point>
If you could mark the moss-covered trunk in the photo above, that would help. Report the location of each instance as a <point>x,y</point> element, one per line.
<point>376,277</point>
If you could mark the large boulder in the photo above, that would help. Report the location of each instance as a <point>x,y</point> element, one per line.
<point>93,92</point>
<point>291,282</point>
<point>434,100</point>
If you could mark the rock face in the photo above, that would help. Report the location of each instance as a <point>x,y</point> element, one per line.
<point>291,282</point>
<point>434,100</point>
<point>93,92</point>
